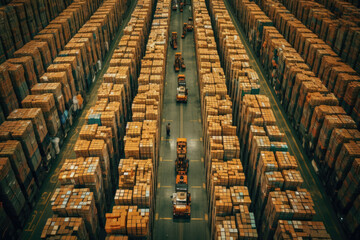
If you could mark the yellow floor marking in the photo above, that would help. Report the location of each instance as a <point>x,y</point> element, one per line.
<point>202,159</point>
<point>158,185</point>
<point>165,218</point>
<point>195,186</point>
<point>157,216</point>
<point>203,185</point>
<point>165,186</point>
<point>206,217</point>
<point>197,219</point>
<point>160,159</point>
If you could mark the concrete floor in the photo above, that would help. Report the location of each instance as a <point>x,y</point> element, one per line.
<point>185,122</point>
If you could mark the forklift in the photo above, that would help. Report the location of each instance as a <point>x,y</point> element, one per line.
<point>174,5</point>
<point>181,204</point>
<point>190,24</point>
<point>179,62</point>
<point>184,30</point>
<point>173,41</point>
<point>181,6</point>
<point>181,91</point>
<point>181,162</point>
<point>181,198</point>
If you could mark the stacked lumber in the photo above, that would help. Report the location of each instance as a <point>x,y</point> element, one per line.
<point>65,227</point>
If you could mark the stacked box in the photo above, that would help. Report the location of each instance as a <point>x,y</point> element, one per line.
<point>39,124</point>
<point>86,173</point>
<point>66,202</point>
<point>17,76</point>
<point>55,89</point>
<point>11,195</point>
<point>65,227</point>
<point>349,189</point>
<point>8,230</point>
<point>8,98</point>
<point>352,218</point>
<point>300,229</point>
<point>23,131</point>
<point>29,71</point>
<point>128,220</point>
<point>46,103</point>
<point>331,122</point>
<point>288,205</point>
<point>136,176</point>
<point>12,149</point>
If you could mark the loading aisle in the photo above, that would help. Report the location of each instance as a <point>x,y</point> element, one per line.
<point>42,210</point>
<point>185,120</point>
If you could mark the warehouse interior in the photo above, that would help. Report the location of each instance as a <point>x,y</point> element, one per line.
<point>179,119</point>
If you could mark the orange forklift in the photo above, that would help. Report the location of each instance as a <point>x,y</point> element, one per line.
<point>179,62</point>
<point>173,41</point>
<point>181,162</point>
<point>181,198</point>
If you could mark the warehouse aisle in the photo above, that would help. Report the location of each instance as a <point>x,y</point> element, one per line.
<point>185,120</point>
<point>42,210</point>
<point>312,183</point>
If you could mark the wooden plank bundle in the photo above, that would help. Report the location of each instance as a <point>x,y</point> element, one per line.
<point>65,227</point>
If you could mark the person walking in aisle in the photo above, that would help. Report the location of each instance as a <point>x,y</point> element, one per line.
<point>168,129</point>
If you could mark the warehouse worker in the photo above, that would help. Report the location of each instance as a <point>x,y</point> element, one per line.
<point>168,129</point>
